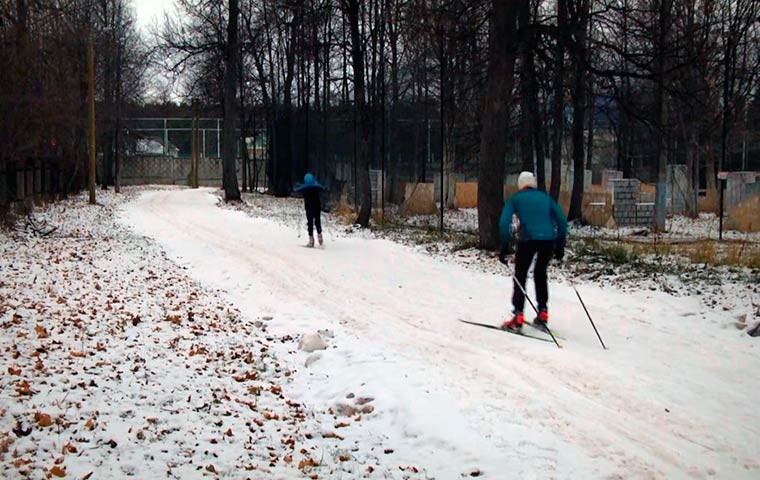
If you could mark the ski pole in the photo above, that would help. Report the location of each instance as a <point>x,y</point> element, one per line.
<point>522,289</point>
<point>589,316</point>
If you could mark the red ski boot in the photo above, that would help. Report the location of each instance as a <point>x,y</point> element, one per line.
<point>542,319</point>
<point>514,325</point>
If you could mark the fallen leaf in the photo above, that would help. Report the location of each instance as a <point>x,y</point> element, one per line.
<point>57,471</point>
<point>87,476</point>
<point>228,432</point>
<point>276,389</point>
<point>287,458</point>
<point>307,462</point>
<point>43,419</point>
<point>14,371</point>
<point>197,350</point>
<point>344,458</point>
<point>332,435</point>
<point>250,375</point>
<point>78,354</point>
<point>20,462</point>
<point>210,468</point>
<point>270,416</point>
<point>89,424</point>
<point>342,425</point>
<point>68,448</point>
<point>41,332</point>
<point>23,388</point>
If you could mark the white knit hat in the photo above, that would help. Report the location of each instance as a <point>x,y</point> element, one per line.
<point>526,179</point>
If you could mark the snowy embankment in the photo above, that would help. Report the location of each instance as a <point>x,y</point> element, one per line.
<point>136,385</point>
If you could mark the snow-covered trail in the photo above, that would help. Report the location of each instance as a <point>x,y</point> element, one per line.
<point>672,398</point>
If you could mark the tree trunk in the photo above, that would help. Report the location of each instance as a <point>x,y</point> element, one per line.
<point>558,100</point>
<point>117,129</point>
<point>393,36</point>
<point>590,111</point>
<point>229,172</point>
<point>493,141</point>
<point>661,116</point>
<point>526,90</point>
<point>351,10</point>
<point>245,163</point>
<point>579,110</point>
<point>690,149</point>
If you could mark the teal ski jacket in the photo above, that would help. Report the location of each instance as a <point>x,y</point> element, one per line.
<point>541,218</point>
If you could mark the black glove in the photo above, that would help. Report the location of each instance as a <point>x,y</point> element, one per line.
<point>559,250</point>
<point>506,249</point>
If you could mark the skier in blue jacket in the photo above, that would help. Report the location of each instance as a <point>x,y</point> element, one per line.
<point>311,190</point>
<point>543,228</point>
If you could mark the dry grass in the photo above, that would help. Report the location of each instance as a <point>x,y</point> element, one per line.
<point>703,252</point>
<point>706,252</point>
<point>708,203</point>
<point>712,252</point>
<point>753,259</point>
<point>345,212</point>
<point>745,217</point>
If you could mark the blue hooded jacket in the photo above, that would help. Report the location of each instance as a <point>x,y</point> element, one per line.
<point>311,190</point>
<point>308,182</point>
<point>541,218</point>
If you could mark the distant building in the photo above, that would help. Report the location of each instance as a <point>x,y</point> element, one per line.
<point>154,146</point>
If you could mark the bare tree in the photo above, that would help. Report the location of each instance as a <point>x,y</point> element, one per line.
<point>229,171</point>
<point>351,10</point>
<point>501,62</point>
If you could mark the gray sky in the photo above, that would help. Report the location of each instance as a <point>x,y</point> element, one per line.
<point>150,10</point>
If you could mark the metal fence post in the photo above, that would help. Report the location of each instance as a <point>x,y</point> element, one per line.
<point>218,140</point>
<point>166,139</point>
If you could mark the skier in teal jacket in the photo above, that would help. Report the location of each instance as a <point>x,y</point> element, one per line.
<point>543,229</point>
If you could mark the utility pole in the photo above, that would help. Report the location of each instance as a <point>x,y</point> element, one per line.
<point>194,154</point>
<point>382,115</point>
<point>91,101</point>
<point>443,118</point>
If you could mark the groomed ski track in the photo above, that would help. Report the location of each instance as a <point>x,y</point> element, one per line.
<point>675,396</point>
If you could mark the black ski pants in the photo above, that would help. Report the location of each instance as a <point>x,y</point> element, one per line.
<point>542,250</point>
<point>313,218</point>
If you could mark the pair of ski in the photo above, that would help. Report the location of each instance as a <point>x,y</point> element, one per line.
<point>522,334</point>
<point>542,329</point>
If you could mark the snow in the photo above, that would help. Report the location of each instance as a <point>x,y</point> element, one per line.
<point>403,389</point>
<point>670,398</point>
<point>677,227</point>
